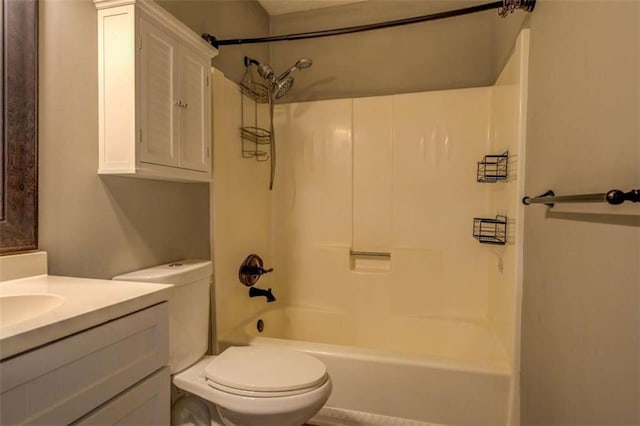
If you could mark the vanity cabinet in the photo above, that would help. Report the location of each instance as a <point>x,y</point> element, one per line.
<point>109,374</point>
<point>154,94</point>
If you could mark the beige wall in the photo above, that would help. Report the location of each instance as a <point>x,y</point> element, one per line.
<point>93,226</point>
<point>226,19</point>
<point>581,314</point>
<point>445,54</point>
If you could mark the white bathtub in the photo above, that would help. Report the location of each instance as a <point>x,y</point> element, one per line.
<point>428,369</point>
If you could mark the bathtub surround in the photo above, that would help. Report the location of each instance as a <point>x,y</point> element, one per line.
<point>368,229</point>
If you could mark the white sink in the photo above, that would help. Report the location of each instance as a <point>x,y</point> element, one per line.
<point>38,310</point>
<point>21,307</point>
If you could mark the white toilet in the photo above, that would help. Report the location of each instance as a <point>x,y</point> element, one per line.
<point>248,385</point>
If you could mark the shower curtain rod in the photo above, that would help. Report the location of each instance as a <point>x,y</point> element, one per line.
<point>506,7</point>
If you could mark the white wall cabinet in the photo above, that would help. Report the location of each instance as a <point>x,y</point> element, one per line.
<point>154,94</point>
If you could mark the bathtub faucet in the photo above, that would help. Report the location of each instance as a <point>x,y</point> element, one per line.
<point>255,292</point>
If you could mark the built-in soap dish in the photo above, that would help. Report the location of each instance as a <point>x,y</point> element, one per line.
<point>370,261</point>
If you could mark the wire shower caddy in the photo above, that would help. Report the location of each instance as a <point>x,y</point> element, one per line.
<point>490,231</point>
<point>493,168</point>
<point>254,137</point>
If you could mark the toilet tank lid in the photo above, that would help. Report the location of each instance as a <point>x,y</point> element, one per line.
<point>176,273</point>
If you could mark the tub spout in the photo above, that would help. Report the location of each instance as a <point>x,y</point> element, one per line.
<point>255,292</point>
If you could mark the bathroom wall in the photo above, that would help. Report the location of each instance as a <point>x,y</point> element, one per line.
<point>581,302</point>
<point>95,226</point>
<point>461,52</point>
<point>240,222</point>
<point>226,19</point>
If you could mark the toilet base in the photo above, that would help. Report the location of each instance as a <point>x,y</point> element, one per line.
<point>191,410</point>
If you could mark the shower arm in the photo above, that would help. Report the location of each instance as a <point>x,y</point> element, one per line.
<point>250,61</point>
<point>506,7</point>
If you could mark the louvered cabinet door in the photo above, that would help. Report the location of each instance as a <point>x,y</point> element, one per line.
<point>195,108</point>
<point>159,110</point>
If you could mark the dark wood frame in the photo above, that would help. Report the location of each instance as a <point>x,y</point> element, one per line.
<point>19,123</point>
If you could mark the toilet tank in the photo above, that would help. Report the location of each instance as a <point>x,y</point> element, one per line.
<point>188,308</point>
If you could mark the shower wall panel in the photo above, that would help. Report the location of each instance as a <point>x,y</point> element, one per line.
<point>437,139</point>
<point>312,201</point>
<point>372,174</point>
<point>393,174</point>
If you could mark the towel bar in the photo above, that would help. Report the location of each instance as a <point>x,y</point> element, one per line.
<point>613,197</point>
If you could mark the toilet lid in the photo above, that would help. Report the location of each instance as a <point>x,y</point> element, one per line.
<point>265,369</point>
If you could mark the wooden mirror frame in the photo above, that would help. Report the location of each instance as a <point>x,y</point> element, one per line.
<point>19,122</point>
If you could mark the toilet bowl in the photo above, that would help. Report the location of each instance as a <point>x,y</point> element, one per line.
<point>246,385</point>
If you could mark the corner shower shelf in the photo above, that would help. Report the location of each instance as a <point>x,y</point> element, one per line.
<point>490,231</point>
<point>493,168</point>
<point>252,134</point>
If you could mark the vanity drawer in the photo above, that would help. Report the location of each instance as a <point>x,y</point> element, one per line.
<point>147,403</point>
<point>62,381</point>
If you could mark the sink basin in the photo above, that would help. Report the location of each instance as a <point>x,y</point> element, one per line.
<point>21,307</point>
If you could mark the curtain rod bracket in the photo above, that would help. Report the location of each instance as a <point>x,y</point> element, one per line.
<point>510,6</point>
<point>211,40</point>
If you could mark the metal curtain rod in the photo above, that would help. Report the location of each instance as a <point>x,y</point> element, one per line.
<point>614,197</point>
<point>507,6</point>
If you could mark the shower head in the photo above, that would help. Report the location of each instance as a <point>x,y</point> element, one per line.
<point>300,65</point>
<point>303,63</point>
<point>281,87</point>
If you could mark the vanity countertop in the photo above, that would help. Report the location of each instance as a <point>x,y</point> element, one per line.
<point>69,305</point>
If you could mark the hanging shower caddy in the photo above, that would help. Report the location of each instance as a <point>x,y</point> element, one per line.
<point>255,138</point>
<point>490,231</point>
<point>493,168</point>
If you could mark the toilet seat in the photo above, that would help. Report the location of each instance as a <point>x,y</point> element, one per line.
<point>193,380</point>
<point>265,372</point>
<point>261,394</point>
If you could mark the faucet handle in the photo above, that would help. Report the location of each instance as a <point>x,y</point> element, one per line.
<point>251,270</point>
<point>255,270</point>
